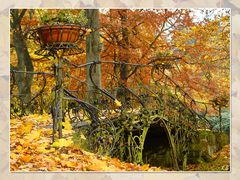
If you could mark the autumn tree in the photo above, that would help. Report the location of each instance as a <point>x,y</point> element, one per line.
<point>136,35</point>
<point>92,54</point>
<point>204,67</point>
<point>23,80</point>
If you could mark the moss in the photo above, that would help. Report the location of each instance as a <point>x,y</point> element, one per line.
<point>220,162</point>
<point>207,143</point>
<point>203,147</point>
<point>222,139</point>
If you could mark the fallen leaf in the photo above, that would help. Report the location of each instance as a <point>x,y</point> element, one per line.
<point>25,158</point>
<point>62,143</point>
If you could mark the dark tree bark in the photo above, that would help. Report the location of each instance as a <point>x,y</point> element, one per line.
<point>124,56</point>
<point>93,49</point>
<point>23,80</point>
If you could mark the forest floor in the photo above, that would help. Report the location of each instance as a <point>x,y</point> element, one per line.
<point>31,149</point>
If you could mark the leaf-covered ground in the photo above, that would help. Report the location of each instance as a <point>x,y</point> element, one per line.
<point>31,150</point>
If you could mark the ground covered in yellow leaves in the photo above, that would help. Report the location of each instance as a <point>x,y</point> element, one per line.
<point>31,149</point>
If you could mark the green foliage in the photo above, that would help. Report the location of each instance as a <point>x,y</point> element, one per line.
<point>80,140</point>
<point>203,147</point>
<point>64,17</point>
<point>220,162</point>
<point>15,107</point>
<point>160,54</point>
<point>222,139</point>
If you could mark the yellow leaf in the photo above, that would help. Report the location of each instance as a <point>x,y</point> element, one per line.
<point>118,103</point>
<point>57,159</point>
<point>42,119</point>
<point>62,143</point>
<point>25,158</point>
<point>66,132</point>
<point>42,149</point>
<point>101,39</point>
<point>25,128</point>
<point>97,165</point>
<point>178,44</point>
<point>33,136</point>
<point>145,167</point>
<point>13,156</point>
<point>88,32</point>
<point>71,164</point>
<point>82,137</point>
<point>52,150</point>
<point>21,141</point>
<point>65,156</point>
<point>182,48</point>
<point>26,144</point>
<point>19,148</point>
<point>154,95</point>
<point>194,28</point>
<point>67,125</point>
<point>28,127</point>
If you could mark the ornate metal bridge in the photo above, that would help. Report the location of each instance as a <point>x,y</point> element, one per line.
<point>117,123</point>
<point>119,128</point>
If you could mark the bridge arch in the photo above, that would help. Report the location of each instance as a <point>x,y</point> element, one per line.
<point>159,148</point>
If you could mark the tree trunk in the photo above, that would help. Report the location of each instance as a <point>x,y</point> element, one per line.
<point>23,80</point>
<point>92,53</point>
<point>124,56</point>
